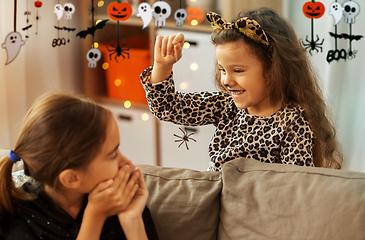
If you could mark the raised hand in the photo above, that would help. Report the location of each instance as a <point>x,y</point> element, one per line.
<point>168,50</point>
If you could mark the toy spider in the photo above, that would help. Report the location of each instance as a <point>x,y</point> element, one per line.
<point>119,51</point>
<point>185,138</point>
<point>313,45</point>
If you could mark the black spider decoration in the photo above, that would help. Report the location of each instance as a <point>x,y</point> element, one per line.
<point>119,51</point>
<point>313,45</point>
<point>185,138</point>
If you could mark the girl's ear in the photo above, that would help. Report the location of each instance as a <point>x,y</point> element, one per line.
<point>69,178</point>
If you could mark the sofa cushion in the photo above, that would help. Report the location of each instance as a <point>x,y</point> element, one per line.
<point>184,204</point>
<point>275,201</point>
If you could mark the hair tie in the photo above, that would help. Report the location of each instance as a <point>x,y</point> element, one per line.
<point>247,26</point>
<point>13,157</point>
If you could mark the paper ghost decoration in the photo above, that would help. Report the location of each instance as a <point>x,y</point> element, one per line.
<point>161,11</point>
<point>58,10</point>
<point>145,13</point>
<point>12,45</point>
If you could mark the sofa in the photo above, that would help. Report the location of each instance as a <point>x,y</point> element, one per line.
<point>253,200</point>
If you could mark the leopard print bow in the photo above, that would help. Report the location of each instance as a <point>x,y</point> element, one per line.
<point>247,26</point>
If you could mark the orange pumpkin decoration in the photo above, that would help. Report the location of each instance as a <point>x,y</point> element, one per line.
<point>120,11</point>
<point>38,4</point>
<point>313,9</point>
<point>195,13</point>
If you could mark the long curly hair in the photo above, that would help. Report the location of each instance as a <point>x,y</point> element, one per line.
<point>290,78</point>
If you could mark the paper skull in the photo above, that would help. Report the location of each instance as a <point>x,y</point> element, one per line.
<point>180,16</point>
<point>68,9</point>
<point>93,56</point>
<point>161,11</point>
<point>350,10</point>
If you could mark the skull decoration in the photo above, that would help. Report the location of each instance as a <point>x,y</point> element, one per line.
<point>350,10</point>
<point>161,11</point>
<point>180,16</point>
<point>69,9</point>
<point>93,56</point>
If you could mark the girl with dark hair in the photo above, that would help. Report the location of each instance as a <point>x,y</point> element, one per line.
<point>270,107</point>
<point>81,186</point>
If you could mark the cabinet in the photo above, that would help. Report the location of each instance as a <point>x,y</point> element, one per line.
<point>94,80</point>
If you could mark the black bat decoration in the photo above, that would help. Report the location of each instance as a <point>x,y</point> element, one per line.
<point>27,27</point>
<point>92,30</point>
<point>65,28</point>
<point>346,36</point>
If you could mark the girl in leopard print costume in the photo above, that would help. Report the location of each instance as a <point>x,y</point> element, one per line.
<point>270,107</point>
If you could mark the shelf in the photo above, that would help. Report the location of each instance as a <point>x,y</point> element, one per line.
<point>137,22</point>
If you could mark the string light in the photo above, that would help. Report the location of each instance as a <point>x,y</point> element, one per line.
<point>105,66</point>
<point>127,104</point>
<point>145,116</point>
<point>117,82</point>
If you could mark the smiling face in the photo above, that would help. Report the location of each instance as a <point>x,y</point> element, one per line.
<point>108,161</point>
<point>313,9</point>
<point>242,75</point>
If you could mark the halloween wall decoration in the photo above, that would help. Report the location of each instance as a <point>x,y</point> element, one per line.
<point>94,54</point>
<point>161,11</point>
<point>145,13</point>
<point>66,10</point>
<point>13,40</point>
<point>313,10</point>
<point>38,5</point>
<point>180,16</point>
<point>347,11</point>
<point>28,26</point>
<point>119,11</point>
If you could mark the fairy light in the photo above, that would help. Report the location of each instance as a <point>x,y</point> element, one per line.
<point>96,23</point>
<point>194,22</point>
<point>105,66</point>
<point>95,45</point>
<point>183,85</point>
<point>186,45</point>
<point>117,82</point>
<point>194,66</point>
<point>100,3</point>
<point>145,116</point>
<point>127,104</point>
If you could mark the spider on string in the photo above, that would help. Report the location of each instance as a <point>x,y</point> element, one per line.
<point>184,138</point>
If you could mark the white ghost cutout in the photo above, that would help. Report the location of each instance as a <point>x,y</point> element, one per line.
<point>58,10</point>
<point>145,12</point>
<point>161,11</point>
<point>93,56</point>
<point>68,9</point>
<point>180,16</point>
<point>12,45</point>
<point>336,11</point>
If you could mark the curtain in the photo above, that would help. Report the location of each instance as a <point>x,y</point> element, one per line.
<point>343,80</point>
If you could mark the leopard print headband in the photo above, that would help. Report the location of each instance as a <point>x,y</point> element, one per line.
<point>247,26</point>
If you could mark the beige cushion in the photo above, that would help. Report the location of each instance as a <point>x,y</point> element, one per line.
<point>274,201</point>
<point>184,203</point>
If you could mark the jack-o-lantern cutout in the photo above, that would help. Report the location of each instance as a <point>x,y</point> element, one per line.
<point>38,4</point>
<point>313,9</point>
<point>196,15</point>
<point>120,11</point>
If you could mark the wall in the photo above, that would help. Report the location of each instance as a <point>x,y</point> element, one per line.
<point>343,81</point>
<point>39,67</point>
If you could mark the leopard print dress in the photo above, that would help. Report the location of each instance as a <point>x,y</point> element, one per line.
<point>284,137</point>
